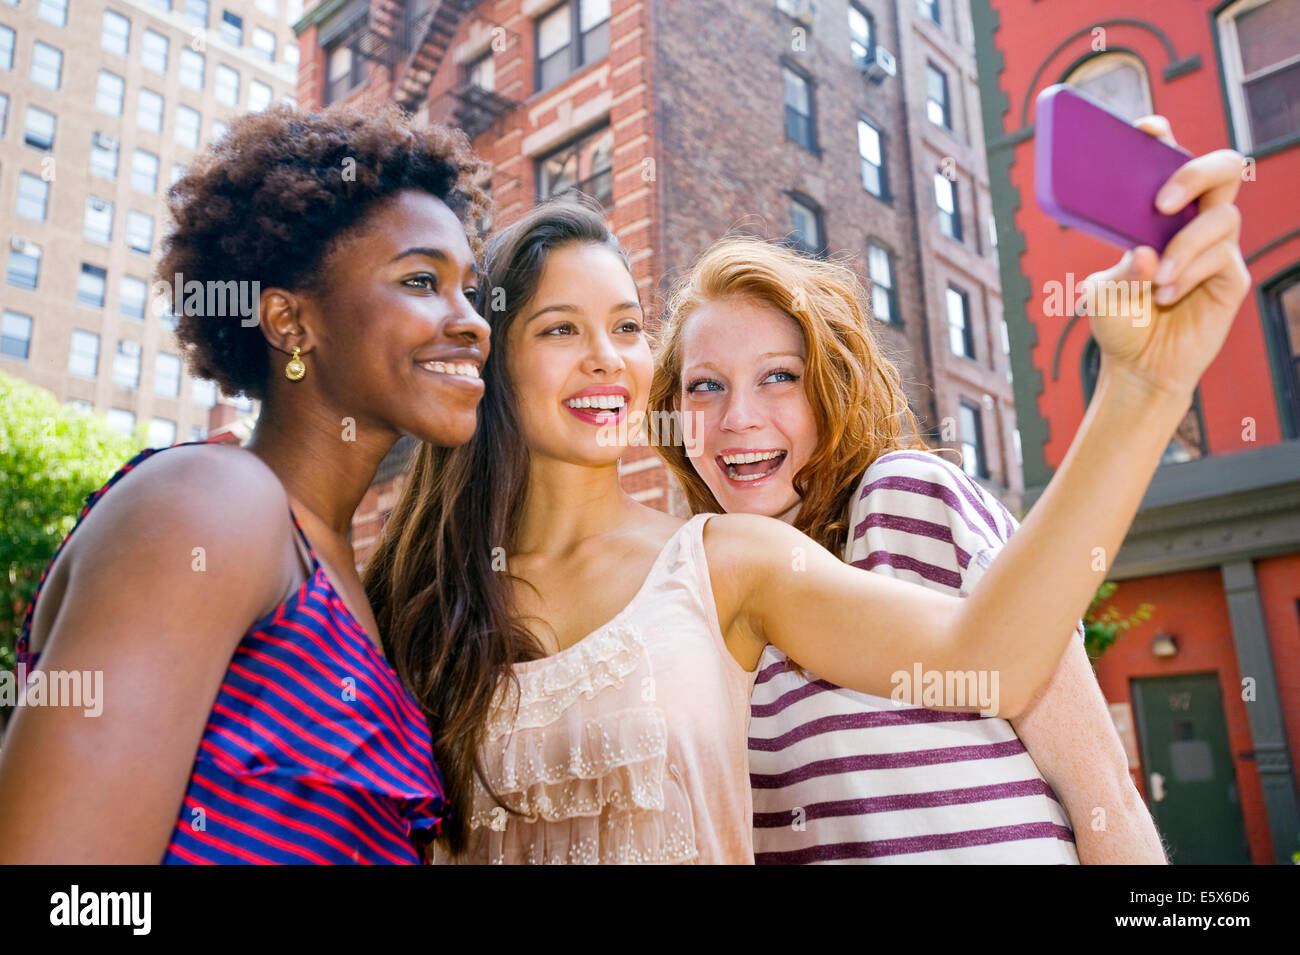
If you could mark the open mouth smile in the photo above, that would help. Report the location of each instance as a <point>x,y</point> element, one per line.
<point>745,468</point>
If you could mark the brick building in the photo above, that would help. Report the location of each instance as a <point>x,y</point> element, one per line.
<point>848,128</point>
<point>102,103</point>
<point>1207,692</point>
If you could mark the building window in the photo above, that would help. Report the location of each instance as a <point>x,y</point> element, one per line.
<point>482,72</point>
<point>162,433</point>
<point>269,6</point>
<point>586,166</point>
<point>799,124</point>
<point>191,69</point>
<point>929,9</point>
<point>291,54</point>
<point>131,296</point>
<point>4,113</point>
<point>110,89</point>
<point>196,11</point>
<point>1282,317</point>
<point>873,160</point>
<point>806,226</point>
<point>187,127</point>
<point>91,284</point>
<point>167,375</point>
<point>558,55</point>
<point>345,70</point>
<point>47,65</point>
<point>203,392</point>
<point>24,264</point>
<point>961,337</point>
<point>1260,42</point>
<point>232,28</point>
<point>139,231</point>
<point>164,5</point>
<point>83,355</point>
<point>149,111</point>
<point>936,97</point>
<point>945,194</point>
<point>121,421</point>
<point>264,44</point>
<point>103,156</point>
<point>1116,80</point>
<point>33,197</point>
<point>178,171</point>
<point>861,32</point>
<point>53,11</point>
<point>259,96</point>
<point>98,225</point>
<point>153,52</point>
<point>6,47</point>
<point>16,335</point>
<point>218,130</point>
<point>144,172</point>
<point>126,365</point>
<point>114,35</point>
<point>227,86</point>
<point>973,461</point>
<point>884,297</point>
<point>38,128</point>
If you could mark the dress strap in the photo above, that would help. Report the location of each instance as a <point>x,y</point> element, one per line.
<point>313,562</point>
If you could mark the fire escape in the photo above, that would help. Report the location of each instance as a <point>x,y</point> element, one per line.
<point>411,38</point>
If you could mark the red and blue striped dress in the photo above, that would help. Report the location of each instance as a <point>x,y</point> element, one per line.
<point>314,752</point>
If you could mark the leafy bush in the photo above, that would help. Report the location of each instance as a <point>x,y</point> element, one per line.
<point>1101,628</point>
<point>51,459</point>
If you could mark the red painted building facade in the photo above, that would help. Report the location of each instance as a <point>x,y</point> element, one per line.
<point>1211,683</point>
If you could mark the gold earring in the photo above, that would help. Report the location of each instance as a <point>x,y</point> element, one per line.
<point>295,369</point>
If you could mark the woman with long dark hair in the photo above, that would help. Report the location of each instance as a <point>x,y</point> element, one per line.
<point>248,714</point>
<point>587,660</point>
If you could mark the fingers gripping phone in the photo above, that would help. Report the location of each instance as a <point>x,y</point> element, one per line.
<point>1096,171</point>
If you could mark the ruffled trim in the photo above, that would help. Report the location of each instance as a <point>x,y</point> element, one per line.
<point>591,665</point>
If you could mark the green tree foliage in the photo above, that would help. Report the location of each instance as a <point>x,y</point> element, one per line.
<point>51,459</point>
<point>1102,627</point>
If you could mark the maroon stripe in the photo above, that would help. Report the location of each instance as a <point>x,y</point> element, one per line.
<point>918,757</point>
<point>931,572</point>
<point>868,719</point>
<point>912,844</point>
<point>900,801</point>
<point>928,489</point>
<point>773,670</point>
<point>914,526</point>
<point>966,484</point>
<point>790,698</point>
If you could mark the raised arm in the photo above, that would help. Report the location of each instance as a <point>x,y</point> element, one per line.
<point>159,620</point>
<point>790,592</point>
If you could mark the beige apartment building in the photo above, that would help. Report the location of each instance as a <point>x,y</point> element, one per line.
<point>102,105</point>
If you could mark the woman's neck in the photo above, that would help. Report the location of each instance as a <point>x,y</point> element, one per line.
<point>324,464</point>
<point>567,504</point>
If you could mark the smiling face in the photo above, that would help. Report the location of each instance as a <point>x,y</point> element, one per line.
<point>742,381</point>
<point>578,358</point>
<point>396,331</point>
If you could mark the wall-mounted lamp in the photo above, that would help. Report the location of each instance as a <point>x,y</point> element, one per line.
<point>1165,645</point>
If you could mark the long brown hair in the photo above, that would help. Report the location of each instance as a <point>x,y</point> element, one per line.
<point>856,393</point>
<point>437,581</point>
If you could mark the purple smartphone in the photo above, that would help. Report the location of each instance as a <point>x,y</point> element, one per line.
<point>1098,172</point>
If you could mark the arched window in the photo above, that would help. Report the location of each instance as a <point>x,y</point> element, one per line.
<point>1116,80</point>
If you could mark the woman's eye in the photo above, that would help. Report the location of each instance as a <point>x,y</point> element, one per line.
<point>565,327</point>
<point>790,376</point>
<point>695,386</point>
<point>423,280</point>
<point>471,295</point>
<point>630,325</point>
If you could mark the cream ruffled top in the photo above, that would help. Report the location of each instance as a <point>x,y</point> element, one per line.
<point>630,746</point>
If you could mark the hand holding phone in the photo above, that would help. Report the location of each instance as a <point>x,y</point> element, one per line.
<point>1099,173</point>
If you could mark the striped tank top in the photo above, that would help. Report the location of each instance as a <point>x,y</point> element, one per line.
<point>313,753</point>
<point>841,776</point>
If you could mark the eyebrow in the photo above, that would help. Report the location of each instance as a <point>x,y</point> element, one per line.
<point>763,357</point>
<point>573,309</point>
<point>438,255</point>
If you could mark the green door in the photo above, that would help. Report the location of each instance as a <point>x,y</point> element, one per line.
<point>1190,778</point>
